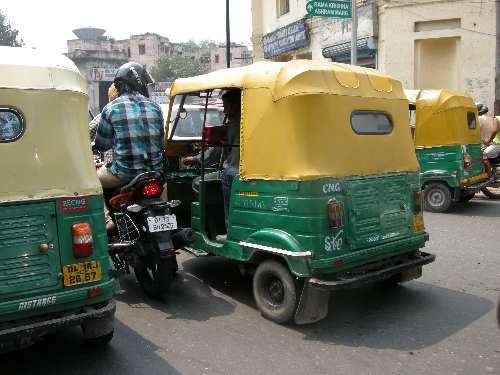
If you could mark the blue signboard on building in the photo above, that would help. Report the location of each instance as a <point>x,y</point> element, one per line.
<point>285,39</point>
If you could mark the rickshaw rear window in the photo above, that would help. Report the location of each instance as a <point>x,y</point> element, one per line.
<point>371,122</point>
<point>471,120</point>
<point>11,124</point>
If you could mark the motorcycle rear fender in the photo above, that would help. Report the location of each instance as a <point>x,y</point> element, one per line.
<point>164,243</point>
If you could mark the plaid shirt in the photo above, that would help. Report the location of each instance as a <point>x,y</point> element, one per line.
<point>133,125</point>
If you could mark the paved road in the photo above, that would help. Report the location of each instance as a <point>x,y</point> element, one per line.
<point>443,323</point>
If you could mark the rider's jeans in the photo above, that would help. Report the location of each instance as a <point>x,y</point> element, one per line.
<point>108,180</point>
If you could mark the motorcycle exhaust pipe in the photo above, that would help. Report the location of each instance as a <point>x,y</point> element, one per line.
<point>183,238</point>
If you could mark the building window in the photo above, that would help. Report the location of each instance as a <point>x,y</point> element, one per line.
<point>128,52</point>
<point>142,49</point>
<point>216,59</point>
<point>282,7</point>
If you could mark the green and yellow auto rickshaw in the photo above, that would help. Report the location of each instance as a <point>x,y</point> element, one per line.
<point>328,194</point>
<point>447,144</point>
<point>54,265</point>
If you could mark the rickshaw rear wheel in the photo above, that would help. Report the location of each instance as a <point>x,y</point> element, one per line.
<point>498,311</point>
<point>466,198</point>
<point>437,197</point>
<point>154,274</point>
<point>276,291</point>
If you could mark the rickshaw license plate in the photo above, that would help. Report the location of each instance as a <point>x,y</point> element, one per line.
<point>418,223</point>
<point>161,223</point>
<point>82,273</point>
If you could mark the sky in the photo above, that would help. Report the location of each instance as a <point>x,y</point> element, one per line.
<point>49,24</point>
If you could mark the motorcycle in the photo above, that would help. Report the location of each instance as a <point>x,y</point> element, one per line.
<point>493,190</point>
<point>147,236</point>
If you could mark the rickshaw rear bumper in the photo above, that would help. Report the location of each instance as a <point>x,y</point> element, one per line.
<point>371,277</point>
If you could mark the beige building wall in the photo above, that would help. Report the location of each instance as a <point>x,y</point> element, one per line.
<point>440,44</point>
<point>265,19</point>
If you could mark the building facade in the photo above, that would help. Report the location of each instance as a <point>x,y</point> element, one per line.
<point>425,44</point>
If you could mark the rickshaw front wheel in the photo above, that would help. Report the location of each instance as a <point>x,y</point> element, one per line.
<point>437,197</point>
<point>276,291</point>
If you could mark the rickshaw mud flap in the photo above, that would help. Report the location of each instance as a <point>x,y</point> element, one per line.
<point>371,277</point>
<point>41,328</point>
<point>313,304</point>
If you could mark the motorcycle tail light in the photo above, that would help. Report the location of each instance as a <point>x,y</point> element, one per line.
<point>335,213</point>
<point>120,201</point>
<point>467,162</point>
<point>82,240</point>
<point>153,188</point>
<point>417,197</point>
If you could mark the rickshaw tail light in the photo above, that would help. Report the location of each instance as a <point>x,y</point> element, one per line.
<point>467,162</point>
<point>153,188</point>
<point>120,201</point>
<point>417,196</point>
<point>338,262</point>
<point>485,158</point>
<point>335,213</point>
<point>83,245</point>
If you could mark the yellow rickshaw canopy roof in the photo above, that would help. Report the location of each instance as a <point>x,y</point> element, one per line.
<point>442,118</point>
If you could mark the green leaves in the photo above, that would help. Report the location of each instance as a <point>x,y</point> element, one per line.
<point>8,36</point>
<point>169,68</point>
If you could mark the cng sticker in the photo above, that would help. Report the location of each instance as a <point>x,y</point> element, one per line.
<point>74,204</point>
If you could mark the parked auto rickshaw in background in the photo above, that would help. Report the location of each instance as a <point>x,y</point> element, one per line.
<point>54,265</point>
<point>447,144</point>
<point>328,194</point>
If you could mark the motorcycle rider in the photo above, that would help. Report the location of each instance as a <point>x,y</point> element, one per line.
<point>489,135</point>
<point>133,126</point>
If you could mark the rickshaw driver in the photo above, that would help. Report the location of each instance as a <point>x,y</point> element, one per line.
<point>133,125</point>
<point>231,100</point>
<point>489,135</point>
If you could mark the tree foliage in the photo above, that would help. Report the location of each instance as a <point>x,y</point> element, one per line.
<point>8,36</point>
<point>169,68</point>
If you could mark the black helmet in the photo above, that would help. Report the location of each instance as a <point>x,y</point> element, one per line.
<point>136,76</point>
<point>481,108</point>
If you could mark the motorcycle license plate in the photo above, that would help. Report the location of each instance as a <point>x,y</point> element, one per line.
<point>418,223</point>
<point>82,273</point>
<point>161,223</point>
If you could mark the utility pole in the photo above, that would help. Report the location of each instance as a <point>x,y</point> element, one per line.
<point>354,34</point>
<point>228,36</point>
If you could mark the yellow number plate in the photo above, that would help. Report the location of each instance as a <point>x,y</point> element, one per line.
<point>418,223</point>
<point>82,273</point>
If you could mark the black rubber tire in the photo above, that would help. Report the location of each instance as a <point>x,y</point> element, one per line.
<point>498,312</point>
<point>466,198</point>
<point>175,265</point>
<point>491,192</point>
<point>276,291</point>
<point>155,275</point>
<point>391,281</point>
<point>437,197</point>
<point>100,340</point>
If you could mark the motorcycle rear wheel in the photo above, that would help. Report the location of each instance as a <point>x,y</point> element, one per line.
<point>489,191</point>
<point>154,275</point>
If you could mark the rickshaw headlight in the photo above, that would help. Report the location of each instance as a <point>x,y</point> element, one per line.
<point>82,240</point>
<point>335,213</point>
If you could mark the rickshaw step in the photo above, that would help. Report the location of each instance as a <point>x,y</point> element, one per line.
<point>196,252</point>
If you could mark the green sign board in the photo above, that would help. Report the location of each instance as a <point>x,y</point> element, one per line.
<point>332,9</point>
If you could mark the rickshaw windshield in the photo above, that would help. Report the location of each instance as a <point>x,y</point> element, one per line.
<point>305,120</point>
<point>190,112</point>
<point>443,118</point>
